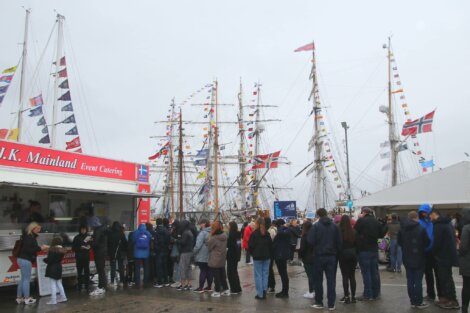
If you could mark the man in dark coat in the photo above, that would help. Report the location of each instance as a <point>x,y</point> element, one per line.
<point>162,250</point>
<point>464,258</point>
<point>445,254</point>
<point>369,230</point>
<point>99,245</point>
<point>282,253</point>
<point>413,240</point>
<point>81,247</point>
<point>325,238</point>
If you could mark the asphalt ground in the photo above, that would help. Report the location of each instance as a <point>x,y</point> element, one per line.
<point>165,300</point>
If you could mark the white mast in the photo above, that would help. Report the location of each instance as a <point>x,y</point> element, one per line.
<point>23,72</point>
<point>60,21</point>
<point>241,150</point>
<point>391,120</point>
<point>257,131</point>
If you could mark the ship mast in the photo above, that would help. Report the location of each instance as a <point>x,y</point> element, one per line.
<point>241,150</point>
<point>60,21</point>
<point>23,74</point>
<point>170,155</point>
<point>216,154</point>
<point>255,189</point>
<point>391,121</point>
<point>180,165</point>
<point>318,162</point>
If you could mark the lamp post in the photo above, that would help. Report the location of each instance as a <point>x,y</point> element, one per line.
<point>345,126</point>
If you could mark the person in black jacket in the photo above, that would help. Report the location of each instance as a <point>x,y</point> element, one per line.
<point>306,255</point>
<point>117,250</point>
<point>445,254</point>
<point>368,231</point>
<point>54,270</point>
<point>26,258</point>
<point>81,247</point>
<point>185,243</point>
<point>464,258</point>
<point>130,260</point>
<point>233,257</point>
<point>282,253</point>
<point>99,245</point>
<point>325,239</point>
<point>162,250</point>
<point>413,240</point>
<point>348,259</point>
<point>260,248</point>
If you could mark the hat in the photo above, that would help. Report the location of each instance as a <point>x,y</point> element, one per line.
<point>280,222</point>
<point>366,210</point>
<point>426,208</point>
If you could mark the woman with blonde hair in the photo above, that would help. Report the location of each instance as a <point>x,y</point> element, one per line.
<point>26,257</point>
<point>260,247</point>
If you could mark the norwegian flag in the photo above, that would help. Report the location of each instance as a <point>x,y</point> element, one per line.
<point>421,125</point>
<point>307,47</point>
<point>163,151</point>
<point>270,160</point>
<point>74,143</point>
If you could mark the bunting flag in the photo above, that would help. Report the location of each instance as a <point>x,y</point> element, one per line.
<point>4,133</point>
<point>78,150</point>
<point>65,97</point>
<point>45,130</point>
<point>402,147</point>
<point>1,98</point>
<point>201,175</point>
<point>36,111</point>
<point>427,164</point>
<point>202,162</point>
<point>3,89</point>
<point>36,101</point>
<point>6,79</point>
<point>202,153</point>
<point>67,108</point>
<point>72,144</point>
<point>64,84</point>
<point>307,47</point>
<point>385,155</point>
<point>418,126</point>
<point>42,121</point>
<point>163,151</point>
<point>45,139</point>
<point>62,61</point>
<point>270,160</point>
<point>386,167</point>
<point>397,91</point>
<point>13,134</point>
<point>72,131</point>
<point>9,70</point>
<point>68,120</point>
<point>62,73</point>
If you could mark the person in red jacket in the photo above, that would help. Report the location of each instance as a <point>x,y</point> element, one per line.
<point>246,237</point>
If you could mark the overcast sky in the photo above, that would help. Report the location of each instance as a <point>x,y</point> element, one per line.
<point>128,59</point>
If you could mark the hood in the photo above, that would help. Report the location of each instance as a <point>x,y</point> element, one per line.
<point>426,208</point>
<point>116,227</point>
<point>142,228</point>
<point>409,224</point>
<point>183,226</point>
<point>220,237</point>
<point>325,220</point>
<point>466,216</point>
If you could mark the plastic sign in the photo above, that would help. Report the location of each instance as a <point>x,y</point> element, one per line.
<point>285,209</point>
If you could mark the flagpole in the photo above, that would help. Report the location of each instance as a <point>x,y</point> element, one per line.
<point>255,189</point>
<point>180,165</point>
<point>241,149</point>
<point>216,155</point>
<point>60,20</point>
<point>171,189</point>
<point>23,74</point>
<point>391,121</point>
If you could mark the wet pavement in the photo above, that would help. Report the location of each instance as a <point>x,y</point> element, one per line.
<point>168,300</point>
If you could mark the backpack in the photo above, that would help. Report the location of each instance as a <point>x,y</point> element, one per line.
<point>142,242</point>
<point>17,247</point>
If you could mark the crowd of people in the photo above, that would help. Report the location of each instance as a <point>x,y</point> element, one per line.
<point>426,243</point>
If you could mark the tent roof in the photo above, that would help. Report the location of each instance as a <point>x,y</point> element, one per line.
<point>450,185</point>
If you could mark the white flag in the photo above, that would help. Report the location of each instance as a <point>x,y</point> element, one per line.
<point>386,167</point>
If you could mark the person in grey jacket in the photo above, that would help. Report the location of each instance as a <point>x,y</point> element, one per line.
<point>217,245</point>
<point>464,259</point>
<point>201,256</point>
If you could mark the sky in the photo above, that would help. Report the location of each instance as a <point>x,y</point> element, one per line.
<point>128,59</point>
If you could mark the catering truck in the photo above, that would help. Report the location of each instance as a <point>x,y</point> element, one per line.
<point>60,190</point>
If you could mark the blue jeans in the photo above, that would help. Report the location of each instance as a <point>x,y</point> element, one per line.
<point>414,282</point>
<point>368,261</point>
<point>395,255</point>
<point>24,284</point>
<point>325,264</point>
<point>261,271</point>
<point>138,265</point>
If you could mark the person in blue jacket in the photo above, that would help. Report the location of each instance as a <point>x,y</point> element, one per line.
<point>430,268</point>
<point>141,239</point>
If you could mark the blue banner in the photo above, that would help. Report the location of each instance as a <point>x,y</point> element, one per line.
<point>285,209</point>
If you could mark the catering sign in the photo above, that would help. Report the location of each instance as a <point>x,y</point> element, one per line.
<point>13,154</point>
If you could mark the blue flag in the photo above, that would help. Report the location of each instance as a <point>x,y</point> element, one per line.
<point>42,121</point>
<point>36,111</point>
<point>70,119</point>
<point>1,98</point>
<point>64,84</point>
<point>202,153</point>
<point>202,162</point>
<point>4,89</point>
<point>45,139</point>
<point>65,97</point>
<point>427,164</point>
<point>67,108</point>
<point>45,130</point>
<point>72,131</point>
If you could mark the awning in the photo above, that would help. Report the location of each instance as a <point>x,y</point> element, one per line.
<point>101,192</point>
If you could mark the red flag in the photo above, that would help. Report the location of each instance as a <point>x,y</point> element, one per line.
<point>418,126</point>
<point>266,160</point>
<point>74,143</point>
<point>163,151</point>
<point>63,73</point>
<point>62,61</point>
<point>35,101</point>
<point>78,150</point>
<point>3,133</point>
<point>308,47</point>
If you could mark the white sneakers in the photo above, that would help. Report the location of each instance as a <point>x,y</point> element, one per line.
<point>29,301</point>
<point>98,292</point>
<point>226,293</point>
<point>19,300</point>
<point>215,294</point>
<point>309,295</point>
